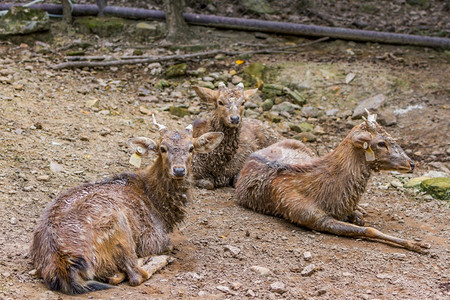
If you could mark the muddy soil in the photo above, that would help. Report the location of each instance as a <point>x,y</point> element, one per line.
<point>53,136</point>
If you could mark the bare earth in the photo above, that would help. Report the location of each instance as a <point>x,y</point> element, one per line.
<point>46,123</point>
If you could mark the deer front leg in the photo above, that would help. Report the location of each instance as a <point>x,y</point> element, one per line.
<point>356,218</point>
<point>331,225</point>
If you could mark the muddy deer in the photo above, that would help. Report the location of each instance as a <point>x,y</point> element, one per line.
<point>322,194</point>
<point>242,136</point>
<point>90,237</point>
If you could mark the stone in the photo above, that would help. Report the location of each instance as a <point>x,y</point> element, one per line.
<point>435,174</point>
<point>438,187</point>
<point>306,137</point>
<point>250,293</point>
<point>278,287</point>
<point>254,73</point>
<point>286,107</point>
<point>32,272</point>
<point>310,112</point>
<point>347,274</point>
<point>332,112</point>
<point>156,263</point>
<point>236,79</point>
<point>260,270</point>
<point>206,84</point>
<point>23,20</point>
<point>372,104</point>
<point>258,7</point>
<point>55,167</point>
<point>233,250</point>
<point>396,183</point>
<point>145,110</point>
<point>306,127</point>
<point>102,26</point>
<point>415,182</point>
<point>13,221</point>
<point>176,70</point>
<point>308,270</point>
<point>43,178</point>
<point>387,117</point>
<point>179,111</point>
<point>267,105</point>
<point>384,276</point>
<point>307,256</point>
<point>295,127</point>
<point>226,290</point>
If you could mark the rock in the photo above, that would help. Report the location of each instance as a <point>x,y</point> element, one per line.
<point>107,26</point>
<point>285,107</point>
<point>307,256</point>
<point>179,111</point>
<point>13,221</point>
<point>147,30</point>
<point>372,104</point>
<point>260,270</point>
<point>267,105</point>
<point>448,151</point>
<point>233,250</point>
<point>23,20</point>
<point>226,290</point>
<point>154,65</point>
<point>236,79</point>
<point>347,274</point>
<point>296,97</point>
<point>415,182</point>
<point>43,178</point>
<point>206,84</point>
<point>208,78</point>
<point>384,276</point>
<point>319,130</point>
<point>254,73</point>
<point>310,112</point>
<point>156,263</point>
<point>437,187</point>
<point>387,117</point>
<point>294,127</point>
<point>332,112</point>
<point>250,105</point>
<point>258,7</point>
<point>55,167</point>
<point>306,137</point>
<point>273,89</point>
<point>278,287</point>
<point>308,270</point>
<point>145,110</point>
<point>396,183</point>
<point>32,272</point>
<point>435,174</point>
<point>236,285</point>
<point>250,293</point>
<point>92,103</point>
<point>176,70</point>
<point>399,256</point>
<point>306,127</point>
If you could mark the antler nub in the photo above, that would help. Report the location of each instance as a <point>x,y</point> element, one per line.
<point>160,127</point>
<point>371,120</point>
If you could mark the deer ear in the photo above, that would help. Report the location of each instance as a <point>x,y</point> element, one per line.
<point>206,94</point>
<point>362,139</point>
<point>250,93</point>
<point>142,146</point>
<point>208,142</point>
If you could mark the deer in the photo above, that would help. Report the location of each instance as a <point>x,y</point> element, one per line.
<point>242,136</point>
<point>90,237</point>
<point>287,180</point>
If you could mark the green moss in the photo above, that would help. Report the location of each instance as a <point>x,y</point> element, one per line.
<point>437,187</point>
<point>179,111</point>
<point>176,70</point>
<point>21,20</point>
<point>102,26</point>
<point>420,3</point>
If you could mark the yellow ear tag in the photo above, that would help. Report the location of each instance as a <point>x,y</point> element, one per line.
<point>135,160</point>
<point>370,155</point>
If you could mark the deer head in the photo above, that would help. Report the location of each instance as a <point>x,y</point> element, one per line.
<point>229,103</point>
<point>175,148</point>
<point>381,151</point>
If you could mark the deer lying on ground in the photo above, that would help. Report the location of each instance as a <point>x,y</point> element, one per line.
<point>97,231</point>
<point>322,193</point>
<point>242,136</point>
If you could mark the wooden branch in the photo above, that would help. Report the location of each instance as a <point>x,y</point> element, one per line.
<point>182,57</point>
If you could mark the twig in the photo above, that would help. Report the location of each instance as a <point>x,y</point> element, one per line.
<point>182,57</point>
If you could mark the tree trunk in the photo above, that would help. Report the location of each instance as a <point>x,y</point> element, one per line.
<point>177,28</point>
<point>67,12</point>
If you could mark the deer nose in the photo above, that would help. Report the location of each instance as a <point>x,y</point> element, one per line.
<point>411,165</point>
<point>179,172</point>
<point>235,119</point>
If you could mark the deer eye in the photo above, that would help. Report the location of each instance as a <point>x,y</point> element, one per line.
<point>220,102</point>
<point>191,148</point>
<point>382,144</point>
<point>163,149</point>
<point>243,103</point>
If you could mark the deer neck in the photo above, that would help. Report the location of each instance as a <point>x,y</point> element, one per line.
<point>345,174</point>
<point>230,142</point>
<point>167,195</point>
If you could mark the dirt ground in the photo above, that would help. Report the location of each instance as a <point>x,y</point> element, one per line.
<point>52,139</point>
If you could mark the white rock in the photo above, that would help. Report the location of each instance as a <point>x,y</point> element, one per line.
<point>234,250</point>
<point>307,256</point>
<point>278,287</point>
<point>308,270</point>
<point>260,270</point>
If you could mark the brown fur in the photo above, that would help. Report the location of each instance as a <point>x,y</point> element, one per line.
<point>220,167</point>
<point>321,193</point>
<point>96,232</point>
